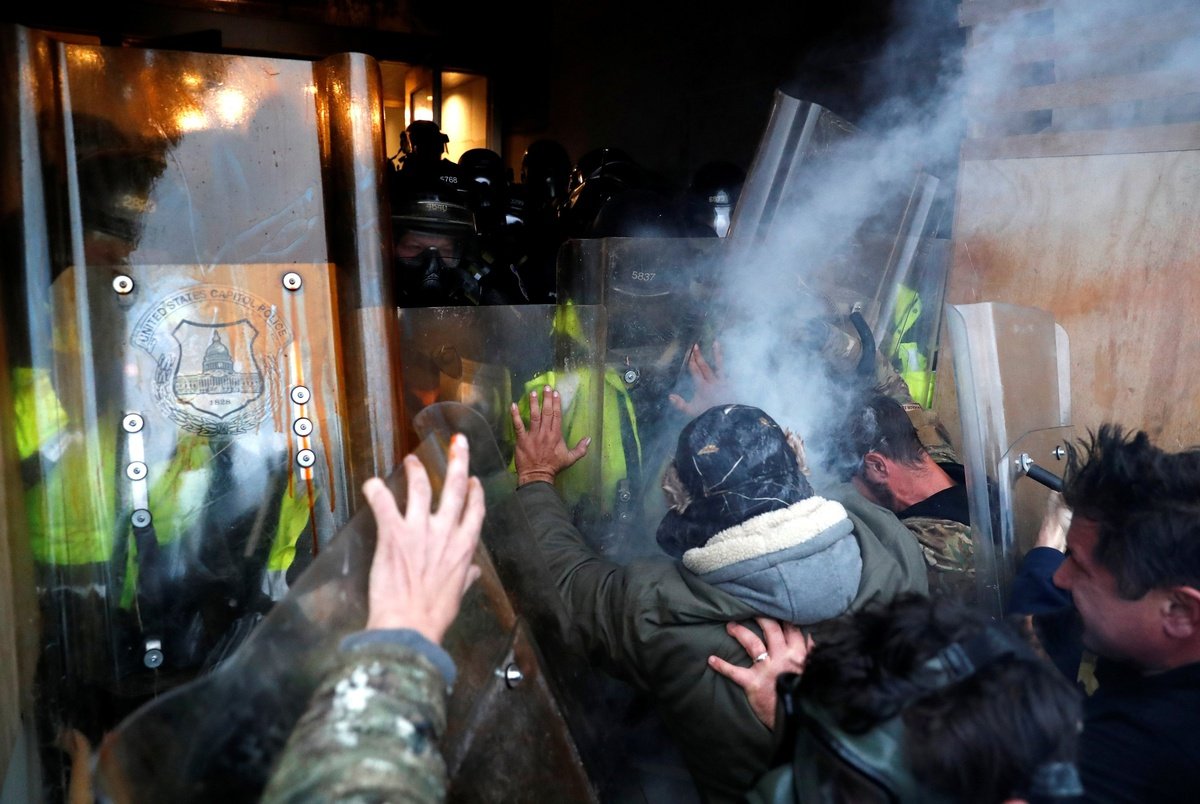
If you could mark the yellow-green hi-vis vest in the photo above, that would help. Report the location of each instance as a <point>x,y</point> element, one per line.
<point>618,442</point>
<point>70,511</point>
<point>617,419</point>
<point>906,356</point>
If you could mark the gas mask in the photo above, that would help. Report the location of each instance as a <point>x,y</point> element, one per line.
<point>434,280</point>
<point>433,243</point>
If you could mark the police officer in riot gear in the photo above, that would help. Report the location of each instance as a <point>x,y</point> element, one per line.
<point>503,237</point>
<point>424,169</point>
<point>600,175</point>
<point>545,169</point>
<point>542,196</point>
<point>712,196</point>
<point>485,183</point>
<point>437,257</point>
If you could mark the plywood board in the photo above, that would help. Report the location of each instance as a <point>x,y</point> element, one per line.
<point>1109,244</point>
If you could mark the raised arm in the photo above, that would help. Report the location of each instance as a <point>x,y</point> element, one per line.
<point>371,729</point>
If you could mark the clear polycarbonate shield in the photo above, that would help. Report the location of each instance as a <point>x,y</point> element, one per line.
<point>1012,376</point>
<point>657,293</point>
<point>198,363</point>
<point>491,356</point>
<point>482,359</point>
<point>799,135</point>
<point>660,298</point>
<point>833,220</point>
<point>528,719</point>
<point>218,738</point>
<point>910,318</point>
<point>197,455</point>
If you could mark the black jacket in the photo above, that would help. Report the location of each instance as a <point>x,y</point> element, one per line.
<point>1141,735</point>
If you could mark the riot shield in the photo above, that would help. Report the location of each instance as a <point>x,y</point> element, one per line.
<point>523,722</point>
<point>218,737</point>
<point>189,393</point>
<point>658,294</point>
<point>1012,375</point>
<point>488,357</point>
<point>798,133</point>
<point>911,317</point>
<point>830,221</point>
<point>485,358</point>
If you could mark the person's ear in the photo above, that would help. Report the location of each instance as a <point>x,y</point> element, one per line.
<point>875,467</point>
<point>1181,614</point>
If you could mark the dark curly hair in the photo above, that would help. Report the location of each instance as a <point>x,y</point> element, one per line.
<point>981,739</point>
<point>1146,504</point>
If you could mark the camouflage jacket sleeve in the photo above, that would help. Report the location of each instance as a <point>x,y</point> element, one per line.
<point>949,553</point>
<point>370,732</point>
<point>931,433</point>
<point>930,430</point>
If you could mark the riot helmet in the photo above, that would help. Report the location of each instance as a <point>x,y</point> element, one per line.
<point>433,241</point>
<point>545,171</point>
<point>423,139</point>
<point>116,170</point>
<point>485,182</point>
<point>600,175</point>
<point>518,210</point>
<point>597,163</point>
<point>713,194</point>
<point>423,170</point>
<point>115,188</point>
<point>636,213</point>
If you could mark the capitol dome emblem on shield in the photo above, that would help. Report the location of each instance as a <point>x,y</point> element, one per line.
<point>217,353</point>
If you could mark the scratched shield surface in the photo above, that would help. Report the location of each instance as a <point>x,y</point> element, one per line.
<point>200,334</point>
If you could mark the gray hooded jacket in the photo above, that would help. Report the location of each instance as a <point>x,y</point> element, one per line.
<point>799,564</point>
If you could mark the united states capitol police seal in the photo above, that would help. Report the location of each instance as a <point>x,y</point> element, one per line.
<point>217,353</point>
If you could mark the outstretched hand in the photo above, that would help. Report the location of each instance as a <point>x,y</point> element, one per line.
<point>1055,524</point>
<point>708,382</point>
<point>785,650</point>
<point>422,565</point>
<point>541,451</point>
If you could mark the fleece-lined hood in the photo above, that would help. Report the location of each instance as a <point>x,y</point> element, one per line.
<point>732,463</point>
<point>800,564</point>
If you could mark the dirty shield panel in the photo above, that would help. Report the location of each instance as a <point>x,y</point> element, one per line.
<point>180,332</point>
<point>489,357</point>
<point>196,459</point>
<point>506,737</point>
<point>481,360</point>
<point>659,295</point>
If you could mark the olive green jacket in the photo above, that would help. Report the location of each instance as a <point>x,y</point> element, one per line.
<point>654,624</point>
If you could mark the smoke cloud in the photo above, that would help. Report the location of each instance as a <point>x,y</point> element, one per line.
<point>930,94</point>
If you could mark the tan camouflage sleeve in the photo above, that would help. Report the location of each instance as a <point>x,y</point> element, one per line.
<point>930,431</point>
<point>949,554</point>
<point>369,734</point>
